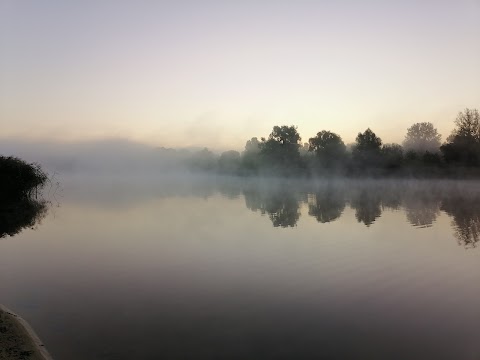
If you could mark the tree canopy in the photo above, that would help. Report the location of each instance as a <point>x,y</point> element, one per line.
<point>281,149</point>
<point>422,137</point>
<point>368,141</point>
<point>327,146</point>
<point>463,144</point>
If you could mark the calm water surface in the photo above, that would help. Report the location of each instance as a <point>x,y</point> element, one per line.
<point>177,268</point>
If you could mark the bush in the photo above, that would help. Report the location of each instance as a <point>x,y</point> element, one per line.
<point>19,179</point>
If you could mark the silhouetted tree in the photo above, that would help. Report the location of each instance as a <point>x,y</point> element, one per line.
<point>19,178</point>
<point>281,150</point>
<point>463,144</point>
<point>18,214</point>
<point>328,148</point>
<point>366,151</point>
<point>392,155</point>
<point>422,137</point>
<point>468,125</point>
<point>19,184</point>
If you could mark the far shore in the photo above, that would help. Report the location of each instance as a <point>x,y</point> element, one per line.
<point>18,341</point>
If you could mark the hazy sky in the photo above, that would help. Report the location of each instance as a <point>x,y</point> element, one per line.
<point>216,73</point>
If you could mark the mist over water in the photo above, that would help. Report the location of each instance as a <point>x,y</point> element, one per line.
<point>174,263</point>
<point>180,265</point>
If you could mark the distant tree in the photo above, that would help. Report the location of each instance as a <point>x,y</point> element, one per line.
<point>304,149</point>
<point>229,162</point>
<point>281,149</point>
<point>368,141</point>
<point>468,126</point>
<point>392,155</point>
<point>366,151</point>
<point>250,158</point>
<point>463,145</point>
<point>328,148</point>
<point>252,146</point>
<point>422,137</point>
<point>203,160</point>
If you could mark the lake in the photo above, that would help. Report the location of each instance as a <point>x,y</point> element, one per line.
<point>175,267</point>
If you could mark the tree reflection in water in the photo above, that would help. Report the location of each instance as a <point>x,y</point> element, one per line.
<point>16,215</point>
<point>327,204</point>
<point>367,205</point>
<point>280,204</point>
<point>422,206</point>
<point>464,209</point>
<point>422,203</point>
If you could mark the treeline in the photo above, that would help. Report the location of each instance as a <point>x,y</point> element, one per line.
<point>421,153</point>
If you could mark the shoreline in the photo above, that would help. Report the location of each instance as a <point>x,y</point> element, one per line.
<point>18,340</point>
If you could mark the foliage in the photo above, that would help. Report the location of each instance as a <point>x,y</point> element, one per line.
<point>283,154</point>
<point>17,214</point>
<point>392,155</point>
<point>19,181</point>
<point>328,148</point>
<point>229,162</point>
<point>368,142</point>
<point>252,146</point>
<point>18,178</point>
<point>203,160</point>
<point>422,137</point>
<point>250,160</point>
<point>280,151</point>
<point>463,146</point>
<point>468,126</point>
<point>366,152</point>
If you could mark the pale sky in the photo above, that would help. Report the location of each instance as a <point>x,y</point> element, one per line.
<point>216,73</point>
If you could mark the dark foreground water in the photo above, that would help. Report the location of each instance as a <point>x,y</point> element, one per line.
<point>226,269</point>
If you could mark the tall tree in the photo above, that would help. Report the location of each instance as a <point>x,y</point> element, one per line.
<point>468,126</point>
<point>229,162</point>
<point>252,146</point>
<point>366,150</point>
<point>281,149</point>
<point>463,145</point>
<point>422,137</point>
<point>368,141</point>
<point>328,147</point>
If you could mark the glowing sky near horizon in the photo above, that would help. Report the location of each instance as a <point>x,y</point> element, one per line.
<point>216,73</point>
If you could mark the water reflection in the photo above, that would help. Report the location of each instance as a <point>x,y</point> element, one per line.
<point>327,204</point>
<point>367,205</point>
<point>18,214</point>
<point>422,207</point>
<point>464,208</point>
<point>421,202</point>
<point>282,201</point>
<point>280,204</point>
